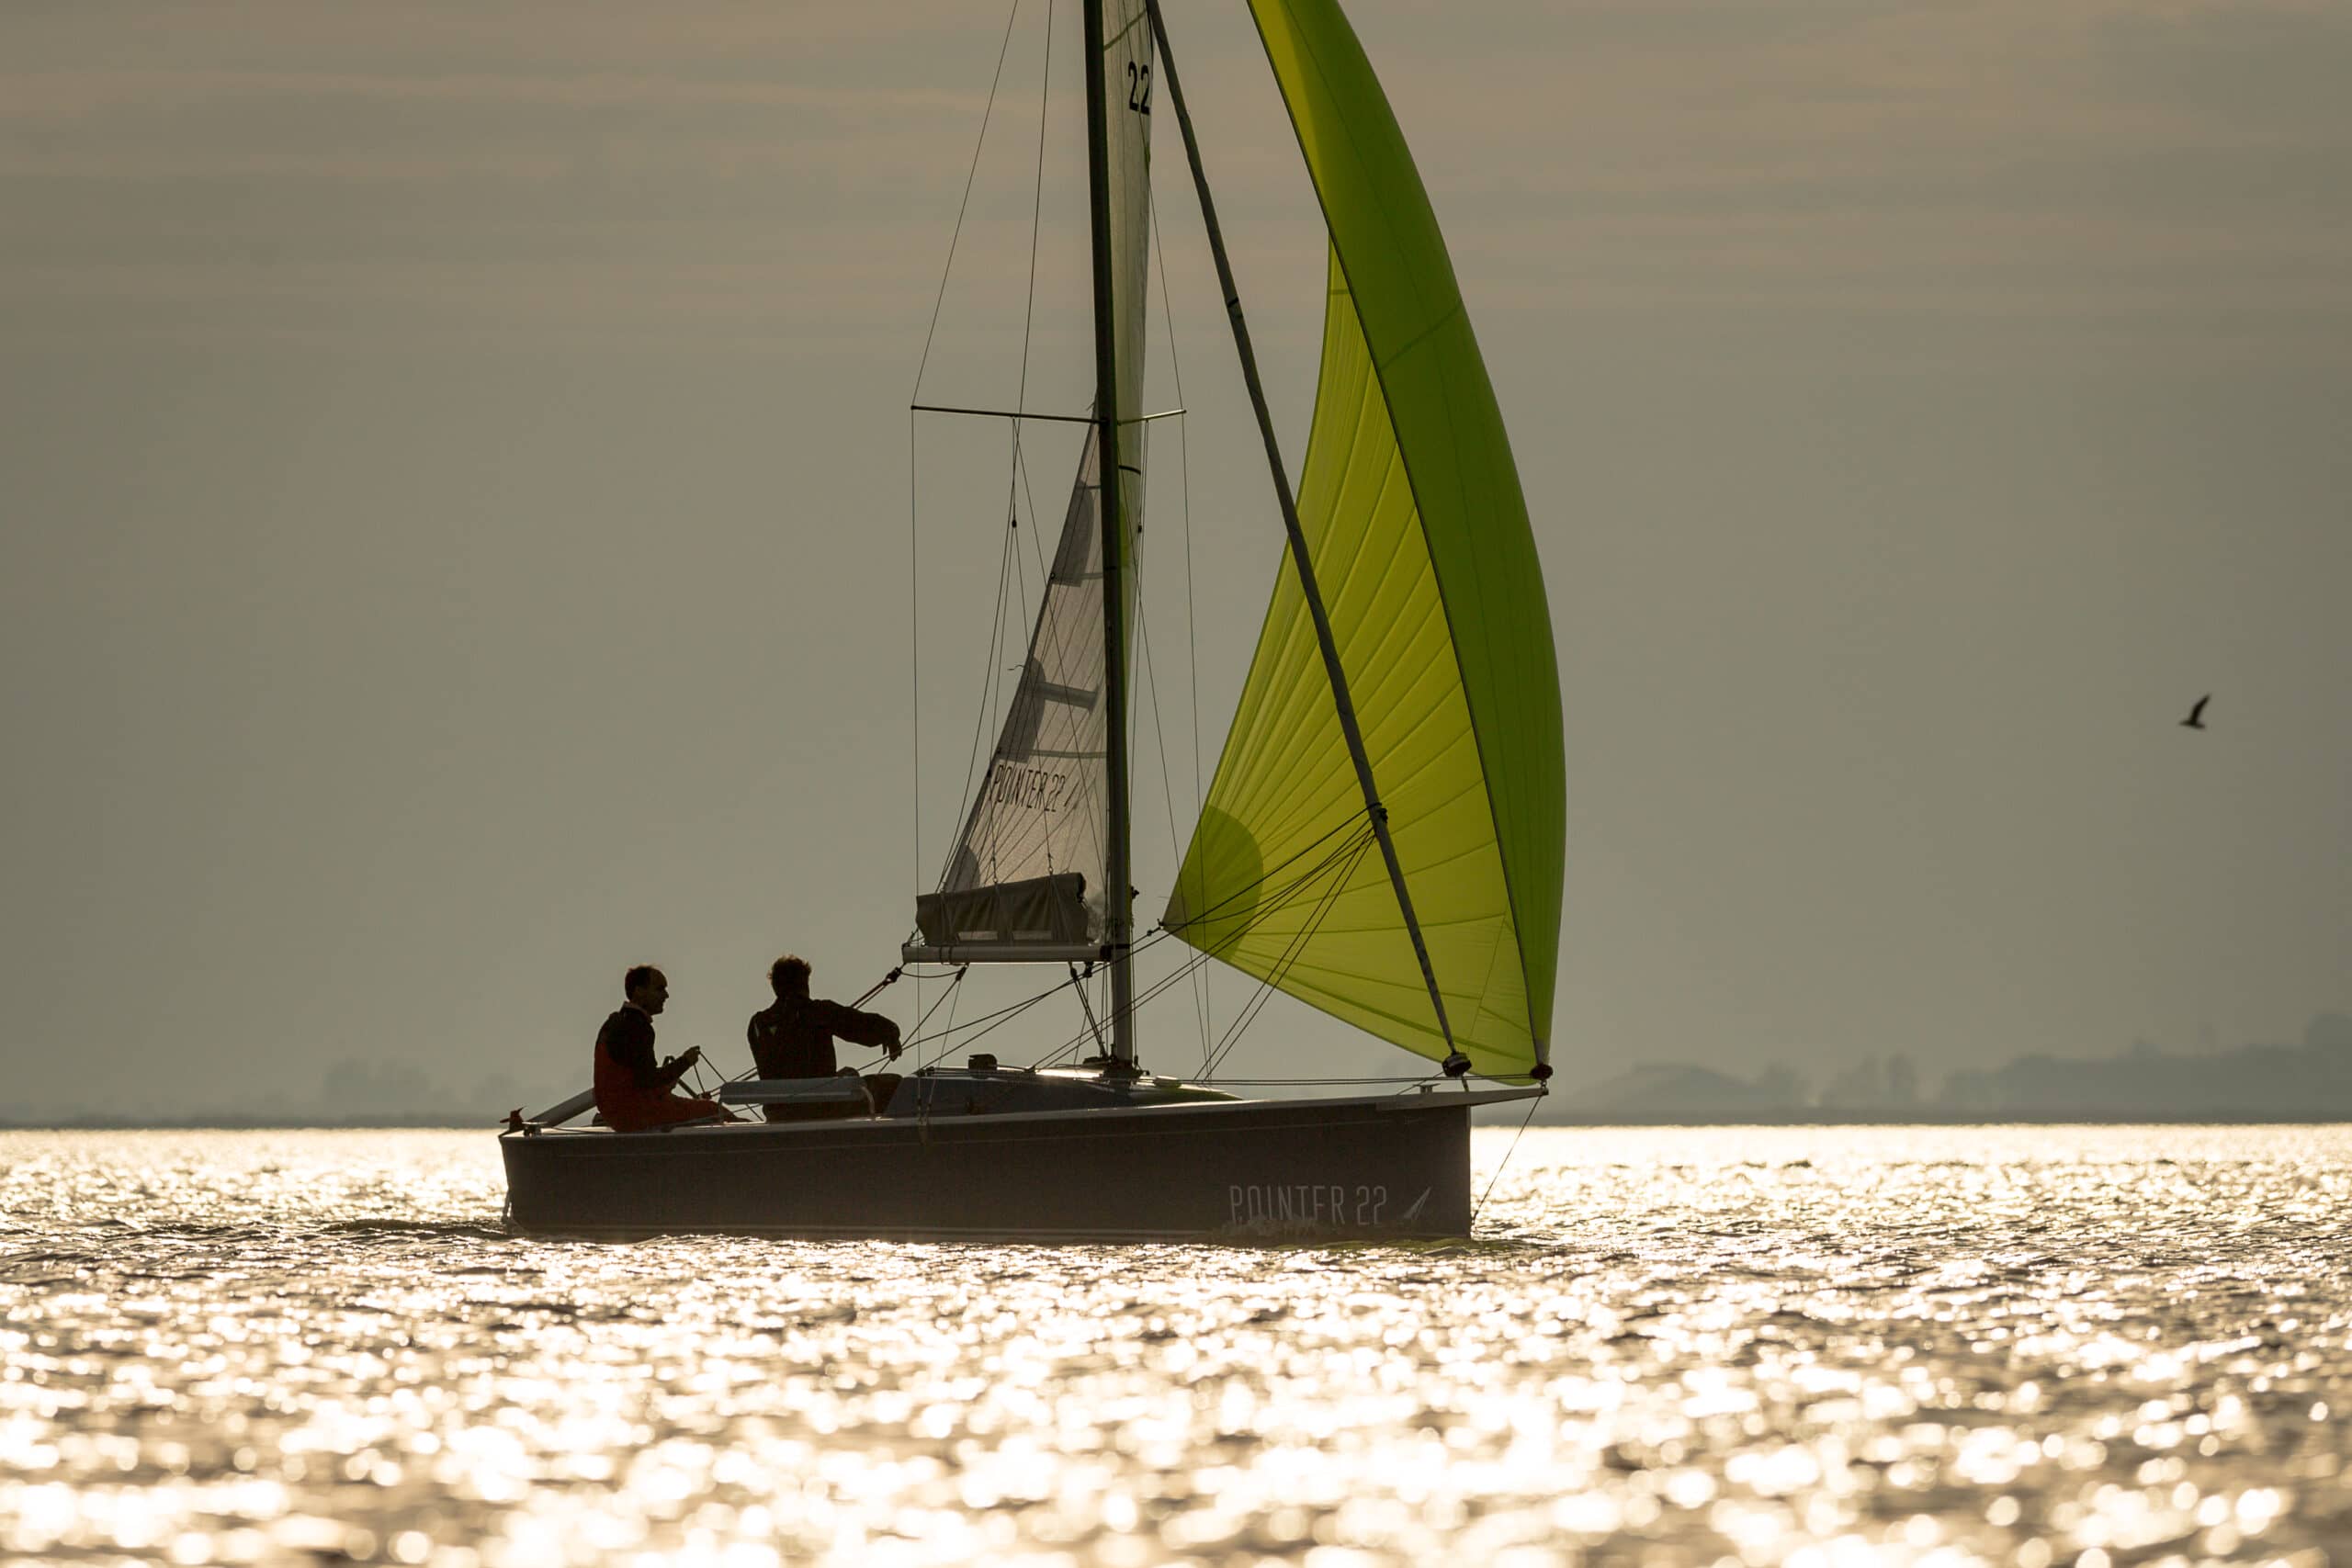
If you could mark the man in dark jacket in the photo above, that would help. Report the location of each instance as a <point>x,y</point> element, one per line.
<point>633,1093</point>
<point>794,1039</point>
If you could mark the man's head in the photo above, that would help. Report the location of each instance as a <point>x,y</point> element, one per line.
<point>646,987</point>
<point>788,977</point>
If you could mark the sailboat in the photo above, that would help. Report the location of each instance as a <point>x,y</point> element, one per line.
<point>1383,837</point>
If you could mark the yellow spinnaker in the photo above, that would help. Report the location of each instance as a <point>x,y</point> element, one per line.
<point>1418,533</point>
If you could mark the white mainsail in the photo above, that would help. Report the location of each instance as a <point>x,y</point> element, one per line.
<point>1026,876</point>
<point>1028,867</point>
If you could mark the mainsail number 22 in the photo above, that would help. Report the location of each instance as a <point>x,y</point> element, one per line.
<point>1138,87</point>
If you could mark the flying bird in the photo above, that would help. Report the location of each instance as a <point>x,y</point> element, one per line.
<point>2196,719</point>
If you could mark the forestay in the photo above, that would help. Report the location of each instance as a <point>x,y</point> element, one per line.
<point>1419,538</point>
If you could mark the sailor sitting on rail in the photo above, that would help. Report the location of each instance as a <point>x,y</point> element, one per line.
<point>794,1039</point>
<point>632,1094</point>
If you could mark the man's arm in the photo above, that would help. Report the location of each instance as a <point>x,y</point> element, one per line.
<point>858,1028</point>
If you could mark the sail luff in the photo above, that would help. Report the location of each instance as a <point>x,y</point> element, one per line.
<point>1301,558</point>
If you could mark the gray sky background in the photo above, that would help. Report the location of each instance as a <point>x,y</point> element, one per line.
<point>456,483</point>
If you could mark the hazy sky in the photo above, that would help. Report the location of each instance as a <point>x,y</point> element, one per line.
<point>455,477</point>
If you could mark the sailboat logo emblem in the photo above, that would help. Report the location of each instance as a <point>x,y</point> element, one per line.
<point>1409,1215</point>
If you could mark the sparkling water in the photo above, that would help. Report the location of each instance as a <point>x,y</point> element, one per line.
<point>2033,1345</point>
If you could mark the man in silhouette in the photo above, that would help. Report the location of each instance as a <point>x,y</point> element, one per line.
<point>794,1039</point>
<point>633,1094</point>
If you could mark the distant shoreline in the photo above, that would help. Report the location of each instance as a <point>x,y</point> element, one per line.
<point>1806,1117</point>
<point>1814,1116</point>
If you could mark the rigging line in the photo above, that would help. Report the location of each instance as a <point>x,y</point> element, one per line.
<point>1167,790</point>
<point>1037,521</point>
<point>1264,908</point>
<point>1281,899</point>
<point>1159,733</point>
<point>1242,1019</point>
<point>946,998</point>
<point>916,1032</point>
<point>1171,981</point>
<point>1029,315</point>
<point>1273,905</point>
<point>1133,575</point>
<point>987,691</point>
<point>1252,1010</point>
<point>1345,847</point>
<point>1352,851</point>
<point>1353,820</point>
<point>1101,979</point>
<point>1429,1084</point>
<point>1054,1059</point>
<point>1010,1014</point>
<point>1094,1035</point>
<point>1479,1207</point>
<point>954,239</point>
<point>993,689</point>
<point>914,667</point>
<point>1150,993</point>
<point>1137,1003</point>
<point>1267,1083</point>
<point>1101,1046</point>
<point>1020,567</point>
<point>951,1023</point>
<point>1036,210</point>
<point>999,1014</point>
<point>1159,726</point>
<point>1354,847</point>
<point>1280,969</point>
<point>1045,572</point>
<point>1033,415</point>
<point>1281,966</point>
<point>954,988</point>
<point>1191,634</point>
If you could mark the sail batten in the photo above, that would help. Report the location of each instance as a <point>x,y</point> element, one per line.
<point>1417,536</point>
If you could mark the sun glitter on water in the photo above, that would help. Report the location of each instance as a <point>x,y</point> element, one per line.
<point>2032,1346</point>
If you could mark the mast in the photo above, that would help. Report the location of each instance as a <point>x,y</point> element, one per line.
<point>1457,1064</point>
<point>1117,896</point>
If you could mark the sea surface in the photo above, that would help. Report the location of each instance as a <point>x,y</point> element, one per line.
<point>2033,1345</point>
